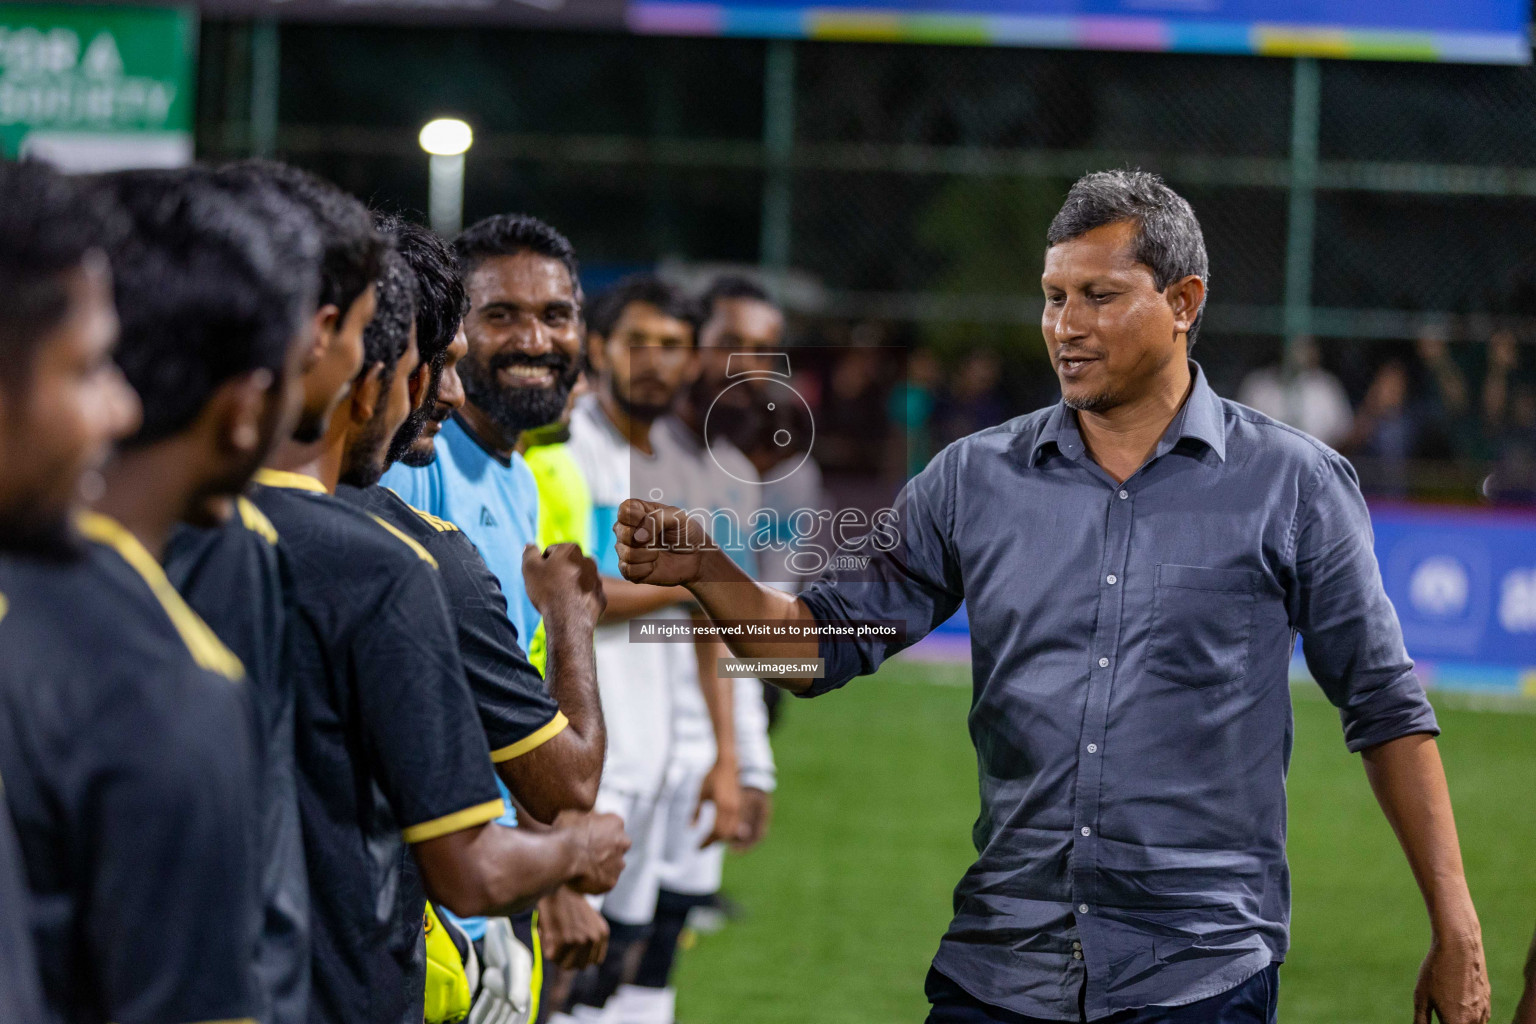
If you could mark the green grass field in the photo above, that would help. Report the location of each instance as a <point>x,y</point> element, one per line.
<point>845,904</point>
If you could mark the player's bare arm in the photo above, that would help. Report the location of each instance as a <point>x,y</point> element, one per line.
<point>562,774</point>
<point>722,786</point>
<point>660,546</point>
<point>491,870</point>
<point>1409,782</point>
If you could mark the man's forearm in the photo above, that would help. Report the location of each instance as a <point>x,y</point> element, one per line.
<point>563,773</point>
<point>492,870</point>
<point>727,594</point>
<point>628,600</point>
<point>719,695</point>
<point>1409,782</point>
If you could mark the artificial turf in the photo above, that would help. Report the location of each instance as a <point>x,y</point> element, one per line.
<point>845,903</point>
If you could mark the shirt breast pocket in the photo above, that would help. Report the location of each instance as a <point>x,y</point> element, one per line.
<point>1201,623</point>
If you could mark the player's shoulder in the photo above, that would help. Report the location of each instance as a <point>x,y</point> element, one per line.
<point>1251,434</point>
<point>1019,433</point>
<point>102,633</point>
<point>331,534</point>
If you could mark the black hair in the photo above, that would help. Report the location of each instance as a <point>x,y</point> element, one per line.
<point>353,248</point>
<point>48,225</point>
<point>1168,236</point>
<point>388,334</point>
<point>210,283</point>
<point>508,234</point>
<point>441,302</point>
<point>609,306</point>
<point>732,286</point>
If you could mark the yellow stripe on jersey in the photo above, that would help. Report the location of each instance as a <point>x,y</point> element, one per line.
<point>206,648</point>
<point>426,556</point>
<point>534,740</point>
<point>439,524</point>
<point>253,519</point>
<point>5,606</point>
<point>458,821</point>
<point>292,481</point>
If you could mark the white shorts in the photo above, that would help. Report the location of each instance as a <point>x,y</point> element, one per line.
<point>633,899</point>
<point>683,867</point>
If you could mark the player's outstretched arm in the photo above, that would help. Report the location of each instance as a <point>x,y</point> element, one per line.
<point>493,871</point>
<point>1525,1013</point>
<point>659,545</point>
<point>1409,782</point>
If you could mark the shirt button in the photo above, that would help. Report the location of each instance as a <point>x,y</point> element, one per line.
<point>1103,663</point>
<point>1077,954</point>
<point>1124,495</point>
<point>1082,908</point>
<point>1111,579</point>
<point>1087,831</point>
<point>1077,945</point>
<point>1093,748</point>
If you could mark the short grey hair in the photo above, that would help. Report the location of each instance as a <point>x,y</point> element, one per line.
<point>1168,237</point>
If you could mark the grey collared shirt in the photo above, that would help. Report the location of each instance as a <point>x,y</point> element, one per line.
<point>1131,710</point>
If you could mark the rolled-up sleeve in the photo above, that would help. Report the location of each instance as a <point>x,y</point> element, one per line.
<point>1350,633</point>
<point>911,577</point>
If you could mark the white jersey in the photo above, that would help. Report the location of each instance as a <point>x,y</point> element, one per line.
<point>632,678</point>
<point>721,482</point>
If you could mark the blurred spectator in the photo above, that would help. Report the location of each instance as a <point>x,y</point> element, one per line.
<point>1311,400</point>
<point>853,431</point>
<point>1513,479</point>
<point>912,406</point>
<point>974,399</point>
<point>1384,432</point>
<point>1448,428</point>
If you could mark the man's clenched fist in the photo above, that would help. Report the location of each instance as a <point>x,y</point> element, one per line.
<point>659,544</point>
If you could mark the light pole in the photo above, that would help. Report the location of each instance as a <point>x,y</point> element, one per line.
<point>446,140</point>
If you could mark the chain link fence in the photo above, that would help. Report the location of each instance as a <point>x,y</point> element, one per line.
<point>917,182</point>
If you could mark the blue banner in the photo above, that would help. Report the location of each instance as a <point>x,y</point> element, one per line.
<point>1463,581</point>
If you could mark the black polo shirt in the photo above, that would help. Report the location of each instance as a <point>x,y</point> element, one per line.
<point>125,750</point>
<point>516,709</point>
<point>234,578</point>
<point>388,745</point>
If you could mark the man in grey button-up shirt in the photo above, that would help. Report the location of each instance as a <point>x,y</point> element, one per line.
<point>1138,562</point>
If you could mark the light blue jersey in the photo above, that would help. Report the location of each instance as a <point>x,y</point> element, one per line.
<point>496,504</point>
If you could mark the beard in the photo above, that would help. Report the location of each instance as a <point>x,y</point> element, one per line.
<point>644,412</point>
<point>516,409</point>
<point>364,463</point>
<point>406,437</point>
<point>1100,402</point>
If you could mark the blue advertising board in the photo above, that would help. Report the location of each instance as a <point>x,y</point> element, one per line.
<point>1481,31</point>
<point>1463,581</point>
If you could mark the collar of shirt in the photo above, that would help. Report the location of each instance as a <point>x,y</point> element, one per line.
<point>291,481</point>
<point>1198,419</point>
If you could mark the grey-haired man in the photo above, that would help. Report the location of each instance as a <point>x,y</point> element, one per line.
<point>1138,561</point>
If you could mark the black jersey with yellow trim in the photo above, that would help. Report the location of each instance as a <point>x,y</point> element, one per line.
<point>516,709</point>
<point>21,994</point>
<point>233,577</point>
<point>131,780</point>
<point>388,747</point>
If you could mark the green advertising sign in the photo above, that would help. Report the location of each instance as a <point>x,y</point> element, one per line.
<point>97,88</point>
